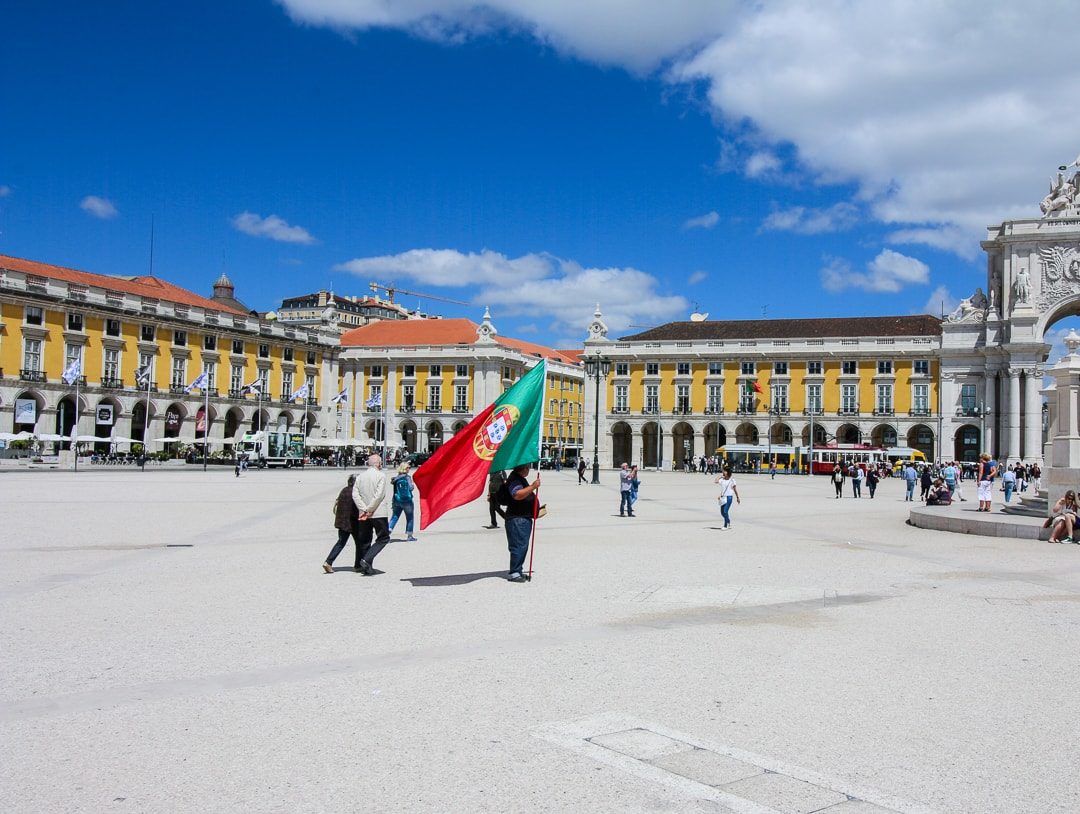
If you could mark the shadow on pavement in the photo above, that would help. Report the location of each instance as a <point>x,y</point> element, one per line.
<point>453,579</point>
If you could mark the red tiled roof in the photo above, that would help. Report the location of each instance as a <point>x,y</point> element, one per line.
<point>142,286</point>
<point>457,331</point>
<point>817,328</point>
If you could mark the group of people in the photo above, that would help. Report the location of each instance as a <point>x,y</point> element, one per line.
<point>858,475</point>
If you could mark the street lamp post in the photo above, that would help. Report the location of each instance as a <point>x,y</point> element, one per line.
<point>598,367</point>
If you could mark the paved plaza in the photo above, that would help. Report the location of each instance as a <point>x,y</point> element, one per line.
<point>171,644</point>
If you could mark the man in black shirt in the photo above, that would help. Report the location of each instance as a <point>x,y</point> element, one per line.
<point>520,511</point>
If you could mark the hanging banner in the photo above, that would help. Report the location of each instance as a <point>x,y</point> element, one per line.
<point>25,411</point>
<point>200,420</point>
<point>172,420</point>
<point>104,415</point>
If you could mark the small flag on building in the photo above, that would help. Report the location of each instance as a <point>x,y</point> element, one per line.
<point>752,387</point>
<point>255,387</point>
<point>375,402</point>
<point>142,376</point>
<point>300,393</point>
<point>340,397</point>
<point>200,383</point>
<point>73,372</point>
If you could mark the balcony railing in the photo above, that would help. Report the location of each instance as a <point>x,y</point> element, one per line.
<point>433,408</point>
<point>621,411</point>
<point>919,411</point>
<point>32,375</point>
<point>236,393</point>
<point>743,410</point>
<point>407,408</point>
<point>813,411</point>
<point>714,411</point>
<point>177,389</point>
<point>111,383</point>
<point>460,408</point>
<point>681,411</point>
<point>884,411</point>
<point>848,411</point>
<point>781,411</point>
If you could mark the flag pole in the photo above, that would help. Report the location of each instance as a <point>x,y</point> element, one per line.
<point>146,421</point>
<point>536,494</point>
<point>206,420</point>
<point>75,426</point>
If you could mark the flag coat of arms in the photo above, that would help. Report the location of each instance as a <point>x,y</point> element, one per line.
<point>504,435</point>
<point>340,397</point>
<point>200,382</point>
<point>73,372</point>
<point>375,402</point>
<point>255,387</point>
<point>300,393</point>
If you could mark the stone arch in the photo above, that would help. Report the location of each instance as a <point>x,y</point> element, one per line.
<point>39,401</point>
<point>921,437</point>
<point>175,415</point>
<point>652,436</point>
<point>848,434</point>
<point>780,433</point>
<point>715,437</point>
<point>682,435</point>
<point>884,435</point>
<point>375,430</point>
<point>311,422</point>
<point>622,443</point>
<point>407,431</point>
<point>434,432</point>
<point>260,420</point>
<point>112,411</point>
<point>746,433</point>
<point>821,437</point>
<point>139,423</point>
<point>234,422</point>
<point>1068,307</point>
<point>967,443</point>
<point>459,426</point>
<point>284,421</point>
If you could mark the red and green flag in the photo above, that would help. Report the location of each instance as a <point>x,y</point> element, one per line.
<point>506,434</point>
<point>752,387</point>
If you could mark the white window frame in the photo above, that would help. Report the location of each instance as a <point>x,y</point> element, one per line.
<point>622,398</point>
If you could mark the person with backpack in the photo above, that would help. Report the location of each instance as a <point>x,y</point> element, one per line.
<point>988,468</point>
<point>872,481</point>
<point>838,480</point>
<point>495,482</point>
<point>403,500</point>
<point>346,521</point>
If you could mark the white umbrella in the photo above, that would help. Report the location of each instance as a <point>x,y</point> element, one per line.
<point>119,439</point>
<point>173,441</point>
<point>50,436</point>
<point>91,439</point>
<point>25,435</point>
<point>8,436</point>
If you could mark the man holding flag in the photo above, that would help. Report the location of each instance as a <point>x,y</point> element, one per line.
<point>505,435</point>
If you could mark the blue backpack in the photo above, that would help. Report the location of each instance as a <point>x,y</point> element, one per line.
<point>402,489</point>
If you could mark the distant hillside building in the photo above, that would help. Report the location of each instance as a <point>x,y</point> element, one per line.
<point>338,312</point>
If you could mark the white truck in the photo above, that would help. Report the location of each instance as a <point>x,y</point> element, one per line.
<point>269,448</point>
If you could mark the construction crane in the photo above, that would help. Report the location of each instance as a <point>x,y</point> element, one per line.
<point>391,290</point>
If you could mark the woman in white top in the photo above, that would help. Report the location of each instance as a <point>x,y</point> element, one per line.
<point>728,491</point>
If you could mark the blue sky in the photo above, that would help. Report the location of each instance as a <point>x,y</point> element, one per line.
<point>534,156</point>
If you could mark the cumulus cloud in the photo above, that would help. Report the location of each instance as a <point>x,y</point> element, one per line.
<point>805,221</point>
<point>533,285</point>
<point>706,221</point>
<point>696,277</point>
<point>940,301</point>
<point>98,207</point>
<point>887,273</point>
<point>271,227</point>
<point>760,164</point>
<point>948,238</point>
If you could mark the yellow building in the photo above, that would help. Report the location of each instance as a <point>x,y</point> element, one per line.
<point>686,389</point>
<point>117,328</point>
<point>426,379</point>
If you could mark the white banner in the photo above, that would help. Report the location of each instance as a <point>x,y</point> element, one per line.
<point>25,411</point>
<point>104,414</point>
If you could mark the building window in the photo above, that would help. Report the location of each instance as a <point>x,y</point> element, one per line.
<point>622,398</point>
<point>813,398</point>
<point>147,333</point>
<point>716,399</point>
<point>921,399</point>
<point>553,406</point>
<point>435,370</point>
<point>884,398</point>
<point>682,399</point>
<point>780,398</point>
<point>211,375</point>
<point>74,322</point>
<point>287,354</point>
<point>408,396</point>
<point>146,367</point>
<point>264,380</point>
<point>461,397</point>
<point>652,398</point>
<point>716,368</point>
<point>112,327</point>
<point>748,368</point>
<point>849,368</point>
<point>884,367</point>
<point>921,367</point>
<point>849,398</point>
<point>179,371</point>
<point>264,351</point>
<point>180,338</point>
<point>967,399</point>
<point>236,379</point>
<point>375,396</point>
<point>570,409</point>
<point>111,368</point>
<point>375,371</point>
<point>238,347</point>
<point>780,368</point>
<point>286,383</point>
<point>311,357</point>
<point>462,371</point>
<point>32,355</point>
<point>682,368</point>
<point>622,368</point>
<point>747,400</point>
<point>813,368</point>
<point>410,371</point>
<point>71,353</point>
<point>33,315</point>
<point>652,368</point>
<point>434,397</point>
<point>209,342</point>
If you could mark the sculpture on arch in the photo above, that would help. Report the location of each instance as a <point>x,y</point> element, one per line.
<point>1064,192</point>
<point>1022,286</point>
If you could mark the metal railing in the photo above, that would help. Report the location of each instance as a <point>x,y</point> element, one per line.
<point>28,375</point>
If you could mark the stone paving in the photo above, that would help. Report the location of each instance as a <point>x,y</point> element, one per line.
<point>171,644</point>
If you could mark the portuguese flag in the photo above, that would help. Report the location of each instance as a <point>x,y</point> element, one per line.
<point>752,387</point>
<point>506,434</point>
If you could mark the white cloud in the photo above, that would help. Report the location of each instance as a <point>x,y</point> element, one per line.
<point>98,207</point>
<point>706,221</point>
<point>533,285</point>
<point>760,164</point>
<point>697,277</point>
<point>271,227</point>
<point>940,301</point>
<point>887,273</point>
<point>804,221</point>
<point>5,190</point>
<point>947,238</point>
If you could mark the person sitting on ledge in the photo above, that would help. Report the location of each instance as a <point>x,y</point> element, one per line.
<point>1063,518</point>
<point>939,494</point>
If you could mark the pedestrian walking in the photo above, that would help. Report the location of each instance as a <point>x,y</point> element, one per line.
<point>369,493</point>
<point>581,471</point>
<point>626,506</point>
<point>910,477</point>
<point>925,482</point>
<point>1036,477</point>
<point>521,509</point>
<point>872,482</point>
<point>987,469</point>
<point>346,516</point>
<point>1008,483</point>
<point>857,481</point>
<point>402,485</point>
<point>728,492</point>
<point>838,480</point>
<point>495,482</point>
<point>635,484</point>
